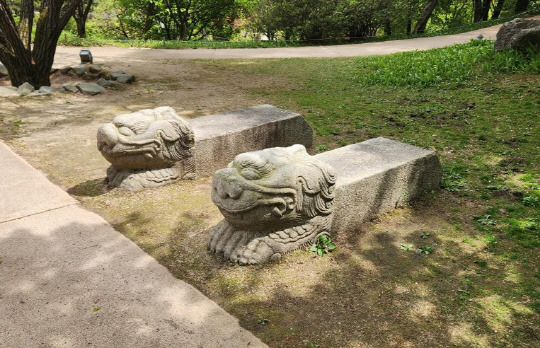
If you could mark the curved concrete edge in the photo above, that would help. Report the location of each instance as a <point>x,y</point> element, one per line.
<point>68,279</point>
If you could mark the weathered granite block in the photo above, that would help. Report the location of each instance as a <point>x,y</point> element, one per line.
<point>219,138</point>
<point>376,176</point>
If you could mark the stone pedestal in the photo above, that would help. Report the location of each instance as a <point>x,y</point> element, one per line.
<point>218,138</point>
<point>376,176</point>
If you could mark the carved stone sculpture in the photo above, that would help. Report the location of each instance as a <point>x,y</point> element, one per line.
<point>147,148</point>
<point>274,201</point>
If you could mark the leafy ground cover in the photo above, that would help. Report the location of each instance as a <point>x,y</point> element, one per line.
<point>457,268</point>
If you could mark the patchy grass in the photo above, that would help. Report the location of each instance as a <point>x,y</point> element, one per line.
<point>478,284</point>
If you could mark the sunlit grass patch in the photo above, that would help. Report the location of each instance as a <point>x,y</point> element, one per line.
<point>454,64</point>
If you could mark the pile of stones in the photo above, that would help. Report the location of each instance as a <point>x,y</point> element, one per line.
<point>88,72</point>
<point>91,72</point>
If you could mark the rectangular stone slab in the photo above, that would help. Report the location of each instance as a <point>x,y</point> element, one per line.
<point>376,176</point>
<point>219,138</point>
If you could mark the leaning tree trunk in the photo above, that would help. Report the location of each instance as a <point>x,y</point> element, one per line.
<point>33,65</point>
<point>497,10</point>
<point>424,17</point>
<point>521,6</point>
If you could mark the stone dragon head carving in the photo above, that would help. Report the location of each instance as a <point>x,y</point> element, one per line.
<point>274,201</point>
<point>146,148</point>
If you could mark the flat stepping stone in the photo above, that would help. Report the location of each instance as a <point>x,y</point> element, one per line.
<point>90,88</point>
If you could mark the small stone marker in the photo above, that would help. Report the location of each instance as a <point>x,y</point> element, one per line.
<point>278,200</point>
<point>132,143</point>
<point>86,56</point>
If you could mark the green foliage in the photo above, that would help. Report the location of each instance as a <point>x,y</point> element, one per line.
<point>485,220</point>
<point>452,180</point>
<point>323,245</point>
<point>532,199</point>
<point>322,148</point>
<point>263,321</point>
<point>425,235</point>
<point>454,64</point>
<point>406,247</point>
<point>424,249</point>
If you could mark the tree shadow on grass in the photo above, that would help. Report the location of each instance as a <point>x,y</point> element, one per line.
<point>377,294</point>
<point>90,188</point>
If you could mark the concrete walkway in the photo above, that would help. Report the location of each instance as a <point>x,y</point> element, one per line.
<point>69,55</point>
<point>68,279</point>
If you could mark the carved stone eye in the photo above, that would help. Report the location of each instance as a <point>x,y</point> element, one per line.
<point>250,174</point>
<point>125,131</point>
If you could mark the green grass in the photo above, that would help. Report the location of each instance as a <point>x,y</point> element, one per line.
<point>480,111</point>
<point>70,39</point>
<point>477,285</point>
<point>453,64</point>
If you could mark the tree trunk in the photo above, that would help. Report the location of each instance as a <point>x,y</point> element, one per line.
<point>81,16</point>
<point>521,6</point>
<point>424,17</point>
<point>497,10</point>
<point>477,11</point>
<point>150,13</point>
<point>409,21</point>
<point>81,27</point>
<point>388,27</point>
<point>486,4</point>
<point>23,64</point>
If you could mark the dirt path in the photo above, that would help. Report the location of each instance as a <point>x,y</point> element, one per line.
<point>69,55</point>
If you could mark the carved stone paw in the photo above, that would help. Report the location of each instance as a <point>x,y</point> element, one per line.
<point>256,252</point>
<point>224,239</point>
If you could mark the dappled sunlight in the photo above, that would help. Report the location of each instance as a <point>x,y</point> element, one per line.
<point>463,334</point>
<point>511,274</point>
<point>422,309</point>
<point>497,315</point>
